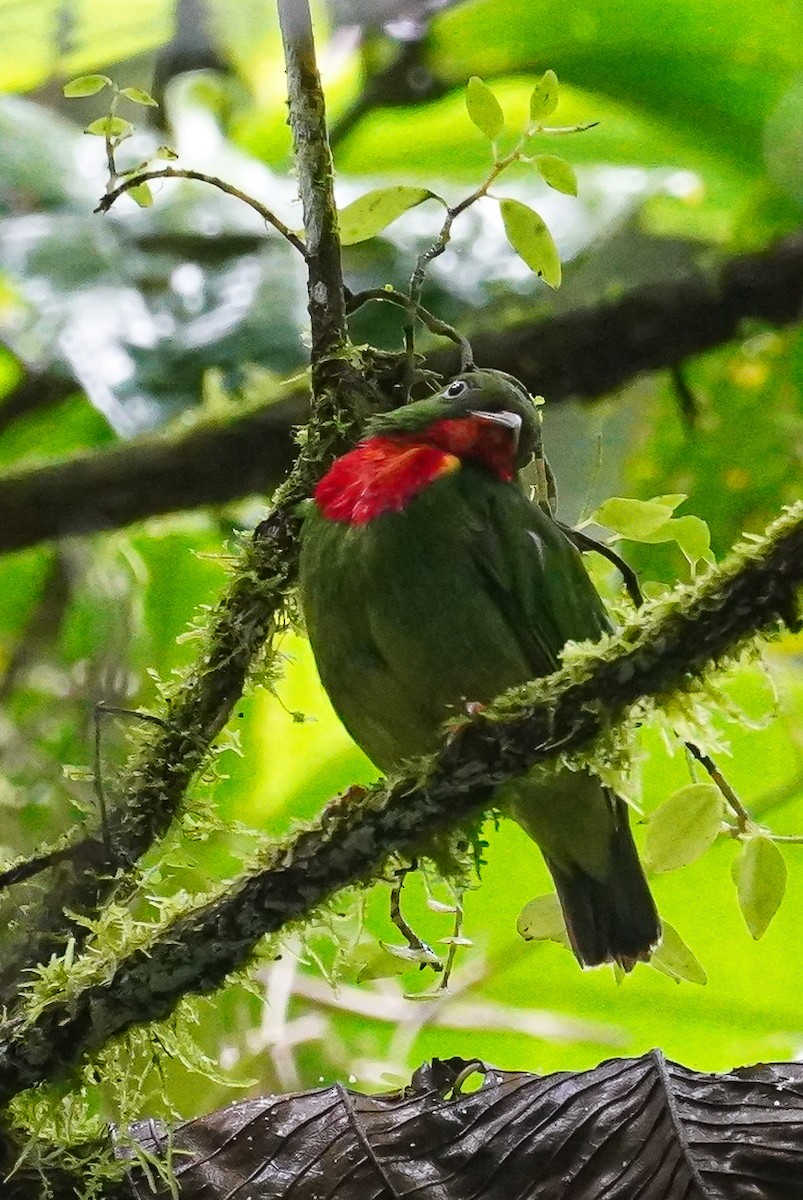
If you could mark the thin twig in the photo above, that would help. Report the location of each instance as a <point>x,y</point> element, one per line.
<point>179,173</point>
<point>355,300</point>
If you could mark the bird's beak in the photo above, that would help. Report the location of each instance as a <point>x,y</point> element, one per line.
<point>510,420</point>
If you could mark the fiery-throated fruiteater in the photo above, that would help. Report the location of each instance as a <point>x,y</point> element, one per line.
<point>428,580</point>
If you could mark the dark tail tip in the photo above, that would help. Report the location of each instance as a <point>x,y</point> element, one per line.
<point>613,919</point>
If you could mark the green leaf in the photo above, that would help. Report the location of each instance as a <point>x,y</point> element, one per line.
<point>532,241</point>
<point>557,173</point>
<point>544,99</point>
<point>166,152</point>
<point>374,211</point>
<point>484,108</point>
<point>633,519</point>
<point>693,536</point>
<point>683,827</point>
<point>142,194</point>
<point>674,958</point>
<point>109,126</point>
<point>541,920</point>
<point>759,872</point>
<point>86,85</point>
<point>139,96</point>
<point>672,500</point>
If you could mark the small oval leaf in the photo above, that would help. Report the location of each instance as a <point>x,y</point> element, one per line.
<point>759,872</point>
<point>541,920</point>
<point>683,827</point>
<point>86,85</point>
<point>674,958</point>
<point>632,519</point>
<point>166,152</point>
<point>373,212</point>
<point>532,241</point>
<point>484,108</point>
<point>693,536</point>
<point>544,99</point>
<point>139,96</point>
<point>109,126</point>
<point>557,173</point>
<point>142,194</point>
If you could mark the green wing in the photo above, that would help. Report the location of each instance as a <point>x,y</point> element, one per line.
<point>469,590</point>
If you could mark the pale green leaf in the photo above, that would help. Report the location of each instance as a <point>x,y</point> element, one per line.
<point>484,108</point>
<point>109,126</point>
<point>759,872</point>
<point>541,920</point>
<point>86,85</point>
<point>672,500</point>
<point>557,173</point>
<point>532,241</point>
<point>693,536</point>
<point>544,99</point>
<point>139,96</point>
<point>683,827</point>
<point>166,152</point>
<point>633,519</point>
<point>674,958</point>
<point>373,212</point>
<point>142,194</point>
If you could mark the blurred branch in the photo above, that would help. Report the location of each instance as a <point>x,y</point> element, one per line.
<point>585,354</point>
<point>656,654</point>
<point>36,391</point>
<point>406,79</point>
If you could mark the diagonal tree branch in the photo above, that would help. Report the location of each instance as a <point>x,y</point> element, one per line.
<point>654,655</point>
<point>586,354</point>
<point>243,624</point>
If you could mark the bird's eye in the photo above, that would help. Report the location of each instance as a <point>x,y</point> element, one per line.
<point>455,388</point>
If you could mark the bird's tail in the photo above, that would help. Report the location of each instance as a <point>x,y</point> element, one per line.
<point>583,831</point>
<point>612,917</point>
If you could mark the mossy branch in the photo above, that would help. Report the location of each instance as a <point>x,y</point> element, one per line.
<point>656,654</point>
<point>242,625</point>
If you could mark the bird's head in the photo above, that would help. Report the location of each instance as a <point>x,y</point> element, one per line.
<point>489,404</point>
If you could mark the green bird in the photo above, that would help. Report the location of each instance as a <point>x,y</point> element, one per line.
<point>429,580</point>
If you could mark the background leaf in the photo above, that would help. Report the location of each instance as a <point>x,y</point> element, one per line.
<point>684,826</point>
<point>484,108</point>
<point>373,212</point>
<point>532,241</point>
<point>759,872</point>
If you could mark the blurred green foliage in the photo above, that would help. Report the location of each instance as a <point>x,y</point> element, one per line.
<point>698,104</point>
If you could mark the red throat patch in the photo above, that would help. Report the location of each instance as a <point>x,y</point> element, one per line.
<point>380,475</point>
<point>383,473</point>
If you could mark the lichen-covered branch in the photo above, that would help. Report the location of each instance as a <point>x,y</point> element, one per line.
<point>661,649</point>
<point>585,353</point>
<point>241,626</point>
